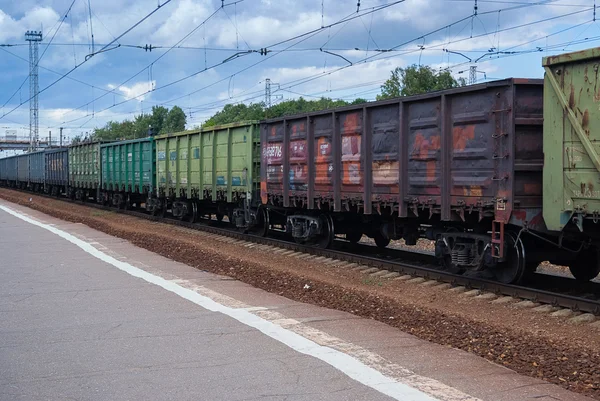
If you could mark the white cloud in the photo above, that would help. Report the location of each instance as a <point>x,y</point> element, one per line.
<point>56,116</point>
<point>12,29</point>
<point>264,30</point>
<point>135,91</point>
<point>330,78</point>
<point>188,15</point>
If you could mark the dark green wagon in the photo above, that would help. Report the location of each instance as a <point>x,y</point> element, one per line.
<point>128,171</point>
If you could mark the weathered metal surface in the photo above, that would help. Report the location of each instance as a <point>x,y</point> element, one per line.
<point>84,165</point>
<point>57,167</point>
<point>11,169</point>
<point>8,169</point>
<point>571,138</point>
<point>23,168</point>
<point>36,167</point>
<point>129,165</point>
<point>476,149</point>
<point>215,163</point>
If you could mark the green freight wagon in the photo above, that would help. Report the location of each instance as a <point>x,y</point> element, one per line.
<point>84,170</point>
<point>572,142</point>
<point>207,171</point>
<point>128,172</point>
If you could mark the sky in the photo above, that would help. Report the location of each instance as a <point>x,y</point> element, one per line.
<point>206,53</point>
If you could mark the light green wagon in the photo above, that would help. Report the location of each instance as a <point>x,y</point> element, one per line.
<point>205,172</point>
<point>572,142</point>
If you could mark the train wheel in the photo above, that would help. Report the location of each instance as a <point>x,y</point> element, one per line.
<point>354,236</point>
<point>587,265</point>
<point>219,217</point>
<point>262,222</point>
<point>380,240</point>
<point>512,270</point>
<point>193,217</point>
<point>325,239</point>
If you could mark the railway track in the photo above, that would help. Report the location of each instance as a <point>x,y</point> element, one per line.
<point>557,291</point>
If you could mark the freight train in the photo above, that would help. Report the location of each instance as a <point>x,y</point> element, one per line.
<point>501,175</point>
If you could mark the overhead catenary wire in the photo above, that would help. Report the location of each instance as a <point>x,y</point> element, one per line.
<point>203,23</point>
<point>303,36</point>
<point>90,56</point>
<point>59,73</point>
<point>316,76</point>
<point>406,52</point>
<point>60,22</point>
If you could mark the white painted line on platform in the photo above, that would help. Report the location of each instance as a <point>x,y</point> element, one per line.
<point>349,365</point>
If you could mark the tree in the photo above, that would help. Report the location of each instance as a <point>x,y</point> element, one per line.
<point>174,121</point>
<point>232,113</point>
<point>141,124</point>
<point>162,120</point>
<point>158,118</point>
<point>415,79</point>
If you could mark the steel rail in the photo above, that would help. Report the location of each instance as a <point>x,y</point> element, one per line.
<point>426,271</point>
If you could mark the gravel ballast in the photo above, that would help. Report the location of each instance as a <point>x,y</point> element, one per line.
<point>531,343</point>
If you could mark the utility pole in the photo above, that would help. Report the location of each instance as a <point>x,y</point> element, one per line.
<point>34,38</point>
<point>268,98</point>
<point>49,139</point>
<point>61,128</point>
<point>268,92</point>
<point>472,75</point>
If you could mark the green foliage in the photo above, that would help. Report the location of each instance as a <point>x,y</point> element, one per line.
<point>158,118</point>
<point>257,111</point>
<point>175,121</point>
<point>415,80</point>
<point>162,120</point>
<point>234,113</point>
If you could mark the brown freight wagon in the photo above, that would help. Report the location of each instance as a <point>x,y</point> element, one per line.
<point>465,159</point>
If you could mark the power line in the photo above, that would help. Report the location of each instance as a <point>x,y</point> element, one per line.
<point>305,37</point>
<point>316,76</point>
<point>304,80</point>
<point>43,53</point>
<point>59,73</point>
<point>521,3</point>
<point>89,56</point>
<point>153,62</point>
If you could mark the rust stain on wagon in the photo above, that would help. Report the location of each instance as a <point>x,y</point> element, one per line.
<point>532,188</point>
<point>352,121</point>
<point>473,190</point>
<point>572,98</point>
<point>585,122</point>
<point>422,151</point>
<point>461,135</point>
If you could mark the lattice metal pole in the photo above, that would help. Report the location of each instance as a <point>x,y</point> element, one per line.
<point>268,92</point>
<point>472,75</point>
<point>34,38</point>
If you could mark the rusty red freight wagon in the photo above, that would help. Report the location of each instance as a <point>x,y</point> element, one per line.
<point>465,159</point>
